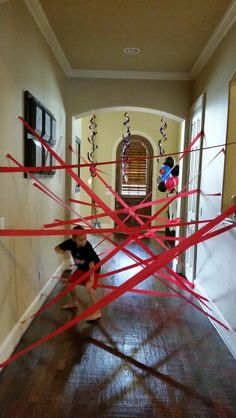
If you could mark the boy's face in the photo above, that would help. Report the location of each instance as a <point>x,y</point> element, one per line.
<point>80,240</point>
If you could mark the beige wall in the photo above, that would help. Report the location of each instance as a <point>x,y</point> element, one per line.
<point>91,95</point>
<point>109,134</point>
<point>214,80</point>
<point>229,177</point>
<point>216,264</point>
<point>26,63</point>
<point>84,95</point>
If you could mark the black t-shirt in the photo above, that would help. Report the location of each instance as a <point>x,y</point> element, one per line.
<point>82,255</point>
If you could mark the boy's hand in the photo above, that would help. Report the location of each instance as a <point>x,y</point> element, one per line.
<point>89,284</point>
<point>65,282</point>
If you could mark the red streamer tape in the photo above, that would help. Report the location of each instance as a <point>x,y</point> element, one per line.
<point>155,265</point>
<point>164,259</point>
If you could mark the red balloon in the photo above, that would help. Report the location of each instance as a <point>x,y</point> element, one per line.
<point>171,183</point>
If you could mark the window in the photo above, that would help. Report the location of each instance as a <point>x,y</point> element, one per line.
<point>136,184</point>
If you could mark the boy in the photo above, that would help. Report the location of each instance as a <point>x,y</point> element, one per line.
<point>84,258</point>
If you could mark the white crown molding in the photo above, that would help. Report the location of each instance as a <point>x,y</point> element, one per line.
<point>41,19</point>
<point>130,109</point>
<point>135,75</point>
<point>221,30</point>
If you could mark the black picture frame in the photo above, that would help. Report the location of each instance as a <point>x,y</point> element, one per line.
<point>44,124</point>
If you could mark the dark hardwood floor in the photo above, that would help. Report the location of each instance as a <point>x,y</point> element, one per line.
<point>147,357</point>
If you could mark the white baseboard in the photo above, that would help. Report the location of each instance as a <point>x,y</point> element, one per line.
<point>16,333</point>
<point>228,336</point>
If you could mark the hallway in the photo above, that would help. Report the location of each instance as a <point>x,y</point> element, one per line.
<point>147,357</point>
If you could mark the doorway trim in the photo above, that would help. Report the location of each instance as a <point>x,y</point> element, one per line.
<point>130,109</point>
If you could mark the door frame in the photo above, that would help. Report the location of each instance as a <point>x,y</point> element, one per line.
<point>198,105</point>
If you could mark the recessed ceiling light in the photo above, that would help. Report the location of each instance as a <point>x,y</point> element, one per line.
<point>131,51</point>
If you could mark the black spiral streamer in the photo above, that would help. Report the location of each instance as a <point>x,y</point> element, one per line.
<point>126,145</point>
<point>91,138</point>
<point>164,136</point>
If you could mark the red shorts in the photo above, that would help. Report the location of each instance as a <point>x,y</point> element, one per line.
<point>79,273</point>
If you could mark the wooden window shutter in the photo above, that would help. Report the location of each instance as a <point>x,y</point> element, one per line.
<point>136,171</point>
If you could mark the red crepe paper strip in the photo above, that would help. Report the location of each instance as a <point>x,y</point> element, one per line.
<point>48,232</point>
<point>83,203</point>
<point>144,216</point>
<point>42,186</point>
<point>119,199</point>
<point>197,137</point>
<point>104,214</point>
<point>73,285</point>
<point>182,280</point>
<point>94,307</point>
<point>207,236</point>
<point>139,291</point>
<point>122,202</point>
<point>75,177</point>
<point>36,169</point>
<point>82,278</point>
<point>126,231</point>
<point>129,209</point>
<point>122,269</point>
<point>164,259</point>
<point>216,232</point>
<point>92,167</point>
<point>58,200</point>
<point>199,295</point>
<point>176,279</point>
<point>142,205</point>
<point>183,287</point>
<point>49,194</point>
<point>176,282</point>
<point>165,237</point>
<point>46,190</point>
<point>62,167</point>
<point>174,197</point>
<point>154,228</point>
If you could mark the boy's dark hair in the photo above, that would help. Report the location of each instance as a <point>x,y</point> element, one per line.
<point>77,227</point>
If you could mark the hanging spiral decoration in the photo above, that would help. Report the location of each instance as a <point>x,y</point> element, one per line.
<point>126,145</point>
<point>164,136</point>
<point>90,155</point>
<point>92,127</point>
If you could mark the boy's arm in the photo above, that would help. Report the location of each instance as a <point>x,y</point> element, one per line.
<point>59,250</point>
<point>90,283</point>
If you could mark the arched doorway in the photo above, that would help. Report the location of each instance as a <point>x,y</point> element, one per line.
<point>138,185</point>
